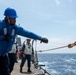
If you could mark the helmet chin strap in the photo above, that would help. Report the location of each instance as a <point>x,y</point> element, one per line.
<point>8,20</point>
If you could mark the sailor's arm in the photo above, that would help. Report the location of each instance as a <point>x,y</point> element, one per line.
<point>25,33</point>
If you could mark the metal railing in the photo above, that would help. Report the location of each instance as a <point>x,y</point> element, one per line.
<point>39,67</point>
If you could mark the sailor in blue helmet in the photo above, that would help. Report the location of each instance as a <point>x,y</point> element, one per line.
<point>8,32</point>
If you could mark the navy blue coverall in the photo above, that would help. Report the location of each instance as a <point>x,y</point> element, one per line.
<point>6,45</point>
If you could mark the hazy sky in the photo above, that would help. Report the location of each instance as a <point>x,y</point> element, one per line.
<point>54,19</point>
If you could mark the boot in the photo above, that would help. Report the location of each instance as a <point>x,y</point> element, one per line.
<point>20,69</point>
<point>29,70</point>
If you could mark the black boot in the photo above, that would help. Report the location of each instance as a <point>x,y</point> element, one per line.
<point>29,70</point>
<point>21,69</point>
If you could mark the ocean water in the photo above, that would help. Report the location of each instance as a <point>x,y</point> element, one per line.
<point>58,64</point>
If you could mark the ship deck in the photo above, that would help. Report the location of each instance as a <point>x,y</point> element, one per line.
<point>35,71</point>
<point>16,70</point>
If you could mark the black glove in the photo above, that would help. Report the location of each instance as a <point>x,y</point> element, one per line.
<point>6,37</point>
<point>44,40</point>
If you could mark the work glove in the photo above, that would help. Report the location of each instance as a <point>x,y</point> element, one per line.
<point>70,46</point>
<point>6,37</point>
<point>44,40</point>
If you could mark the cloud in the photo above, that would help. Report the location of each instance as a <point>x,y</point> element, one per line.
<point>71,22</point>
<point>57,2</point>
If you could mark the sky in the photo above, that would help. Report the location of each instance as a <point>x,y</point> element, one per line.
<point>54,19</point>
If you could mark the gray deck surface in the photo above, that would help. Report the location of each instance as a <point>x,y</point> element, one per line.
<point>17,69</point>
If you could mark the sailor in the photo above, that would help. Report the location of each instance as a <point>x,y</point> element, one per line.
<point>8,32</point>
<point>12,56</point>
<point>27,51</point>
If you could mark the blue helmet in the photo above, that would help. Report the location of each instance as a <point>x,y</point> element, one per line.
<point>10,12</point>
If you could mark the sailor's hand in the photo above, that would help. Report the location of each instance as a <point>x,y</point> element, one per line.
<point>44,40</point>
<point>6,37</point>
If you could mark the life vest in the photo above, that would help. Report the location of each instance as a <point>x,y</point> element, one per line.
<point>28,49</point>
<point>13,31</point>
<point>6,32</point>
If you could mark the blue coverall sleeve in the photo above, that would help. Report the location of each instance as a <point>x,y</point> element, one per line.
<point>1,31</point>
<point>1,37</point>
<point>25,33</point>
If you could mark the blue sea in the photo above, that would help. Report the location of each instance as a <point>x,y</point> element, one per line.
<point>58,64</point>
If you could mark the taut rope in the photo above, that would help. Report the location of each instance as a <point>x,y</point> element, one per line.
<point>69,46</point>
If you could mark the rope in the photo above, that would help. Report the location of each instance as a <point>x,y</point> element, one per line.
<point>69,46</point>
<point>51,49</point>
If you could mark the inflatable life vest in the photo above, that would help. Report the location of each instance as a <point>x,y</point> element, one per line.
<point>13,31</point>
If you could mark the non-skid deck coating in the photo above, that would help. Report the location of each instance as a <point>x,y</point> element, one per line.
<point>35,71</point>
<point>16,70</point>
